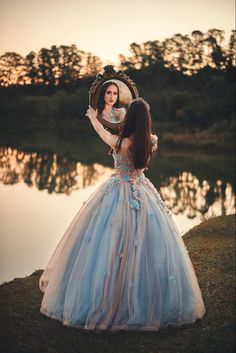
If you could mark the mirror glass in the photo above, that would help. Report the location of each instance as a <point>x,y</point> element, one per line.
<point>117,89</point>
<point>119,107</point>
<point>124,93</point>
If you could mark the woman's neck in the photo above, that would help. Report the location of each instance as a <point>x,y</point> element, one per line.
<point>107,108</point>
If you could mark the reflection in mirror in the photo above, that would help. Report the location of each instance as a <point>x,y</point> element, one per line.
<point>111,93</point>
<point>112,99</point>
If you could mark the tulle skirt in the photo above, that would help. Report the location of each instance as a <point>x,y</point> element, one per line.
<point>122,264</point>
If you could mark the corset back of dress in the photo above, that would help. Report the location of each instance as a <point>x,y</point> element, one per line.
<point>124,165</point>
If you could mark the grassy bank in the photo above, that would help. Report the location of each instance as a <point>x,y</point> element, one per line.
<point>211,249</point>
<point>216,138</point>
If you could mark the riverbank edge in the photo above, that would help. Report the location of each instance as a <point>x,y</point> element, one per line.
<point>211,246</point>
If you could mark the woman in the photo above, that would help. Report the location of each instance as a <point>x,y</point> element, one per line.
<point>109,103</point>
<point>122,264</point>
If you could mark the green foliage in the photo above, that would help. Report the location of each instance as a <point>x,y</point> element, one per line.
<point>191,91</point>
<point>42,108</point>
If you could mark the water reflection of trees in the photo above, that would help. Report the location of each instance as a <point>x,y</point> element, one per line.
<point>55,173</point>
<point>47,170</point>
<point>186,194</point>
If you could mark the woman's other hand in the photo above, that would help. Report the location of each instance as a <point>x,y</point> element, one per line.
<point>121,113</point>
<point>91,113</point>
<point>154,139</point>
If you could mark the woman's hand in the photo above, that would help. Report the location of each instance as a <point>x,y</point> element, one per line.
<point>91,113</point>
<point>105,135</point>
<point>121,113</point>
<point>154,139</point>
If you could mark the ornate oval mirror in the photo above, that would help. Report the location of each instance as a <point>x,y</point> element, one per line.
<point>114,83</point>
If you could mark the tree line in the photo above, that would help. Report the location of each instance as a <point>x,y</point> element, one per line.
<point>181,102</point>
<point>66,65</point>
<point>57,66</point>
<point>186,53</point>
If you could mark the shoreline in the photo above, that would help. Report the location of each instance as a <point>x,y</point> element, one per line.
<point>211,246</point>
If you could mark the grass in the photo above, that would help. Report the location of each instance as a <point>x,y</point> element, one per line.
<point>205,139</point>
<point>217,137</point>
<point>211,249</point>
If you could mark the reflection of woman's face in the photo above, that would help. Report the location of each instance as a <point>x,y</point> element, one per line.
<point>111,95</point>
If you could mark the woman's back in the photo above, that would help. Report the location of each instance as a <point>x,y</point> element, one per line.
<point>124,159</point>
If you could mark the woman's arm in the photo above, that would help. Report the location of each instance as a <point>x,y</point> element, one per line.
<point>105,135</point>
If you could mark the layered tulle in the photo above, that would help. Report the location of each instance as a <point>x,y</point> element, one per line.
<point>122,264</point>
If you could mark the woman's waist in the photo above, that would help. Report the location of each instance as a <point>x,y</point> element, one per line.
<point>128,175</point>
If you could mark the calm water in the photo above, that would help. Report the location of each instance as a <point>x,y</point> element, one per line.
<point>41,190</point>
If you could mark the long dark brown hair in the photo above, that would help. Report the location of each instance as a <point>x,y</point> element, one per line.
<point>101,102</point>
<point>139,124</point>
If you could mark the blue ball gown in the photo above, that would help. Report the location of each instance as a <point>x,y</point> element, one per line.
<point>122,263</point>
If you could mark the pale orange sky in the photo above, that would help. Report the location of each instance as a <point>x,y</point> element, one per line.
<point>105,28</point>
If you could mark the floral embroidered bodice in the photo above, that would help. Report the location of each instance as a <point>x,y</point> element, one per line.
<point>113,116</point>
<point>124,167</point>
<point>125,172</point>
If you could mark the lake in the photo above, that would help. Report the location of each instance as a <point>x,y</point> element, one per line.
<point>44,182</point>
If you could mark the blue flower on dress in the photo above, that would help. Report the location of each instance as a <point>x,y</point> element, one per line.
<point>134,203</point>
<point>172,279</point>
<point>126,177</point>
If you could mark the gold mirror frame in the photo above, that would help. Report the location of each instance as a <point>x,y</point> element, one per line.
<point>108,74</point>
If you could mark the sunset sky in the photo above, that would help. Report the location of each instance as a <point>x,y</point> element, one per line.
<point>105,28</point>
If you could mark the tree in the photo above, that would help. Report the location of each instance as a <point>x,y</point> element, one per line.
<point>32,72</point>
<point>93,65</point>
<point>197,59</point>
<point>143,55</point>
<point>46,75</point>
<point>216,54</point>
<point>176,52</point>
<point>231,57</point>
<point>12,69</point>
<point>70,64</point>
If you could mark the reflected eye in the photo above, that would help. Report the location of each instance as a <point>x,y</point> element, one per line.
<point>115,93</point>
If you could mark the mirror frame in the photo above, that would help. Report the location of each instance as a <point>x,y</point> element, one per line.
<point>108,74</point>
